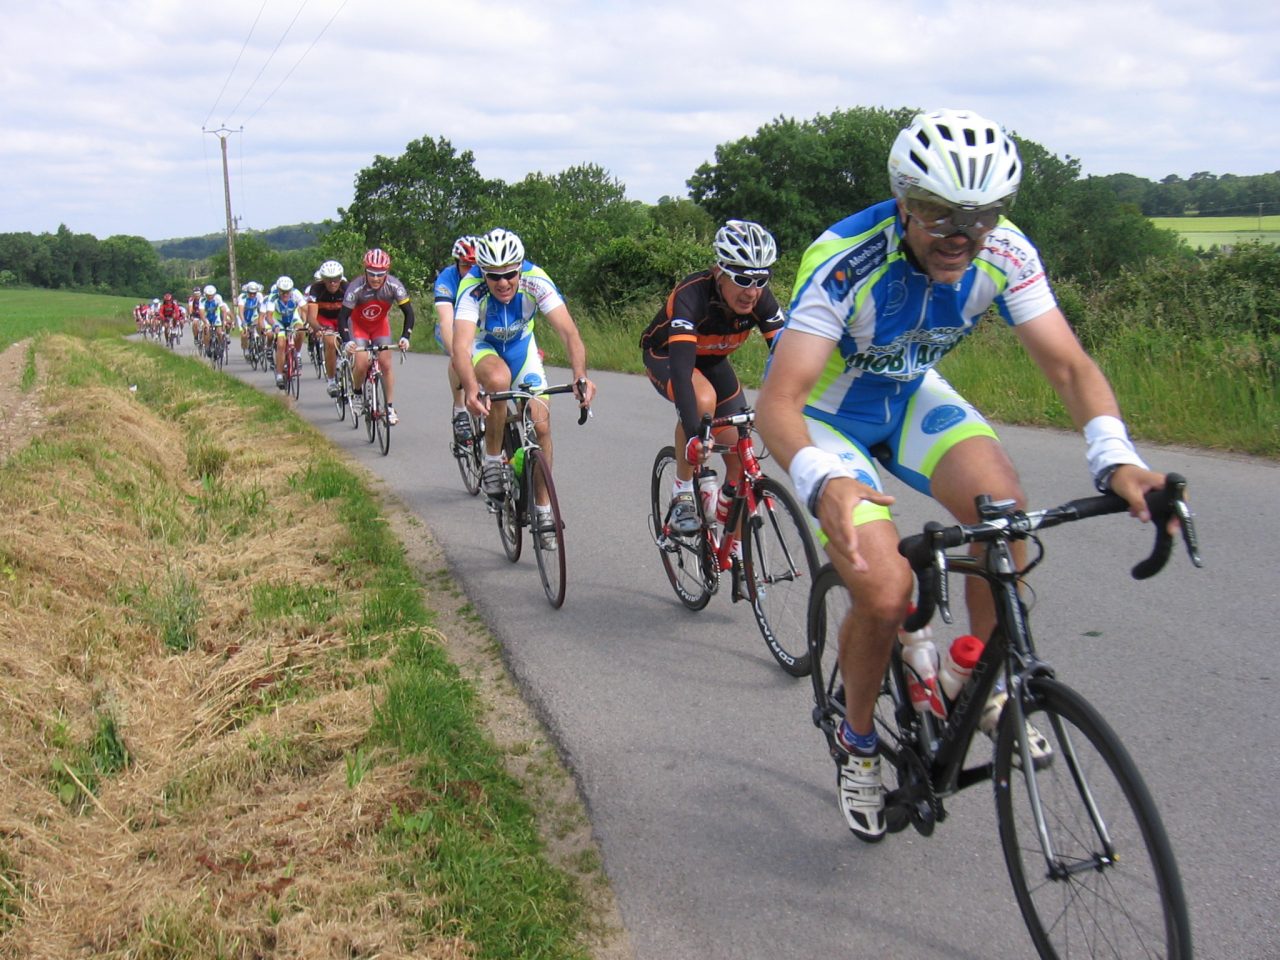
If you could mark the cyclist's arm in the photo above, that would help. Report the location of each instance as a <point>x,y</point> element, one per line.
<point>826,486</point>
<point>406,307</point>
<point>562,323</point>
<point>1086,393</point>
<point>344,323</point>
<point>444,320</point>
<point>682,355</point>
<point>464,338</point>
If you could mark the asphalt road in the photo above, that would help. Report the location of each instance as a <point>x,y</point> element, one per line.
<point>711,793</point>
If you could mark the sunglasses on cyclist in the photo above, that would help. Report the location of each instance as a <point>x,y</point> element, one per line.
<point>509,275</point>
<point>941,220</point>
<point>375,273</point>
<point>757,278</point>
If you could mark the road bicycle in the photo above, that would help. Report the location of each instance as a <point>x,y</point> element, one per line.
<point>373,399</point>
<point>315,350</point>
<point>469,454</point>
<point>1091,865</point>
<point>254,349</point>
<point>526,474</point>
<point>346,389</point>
<point>292,369</point>
<point>218,348</point>
<point>779,560</point>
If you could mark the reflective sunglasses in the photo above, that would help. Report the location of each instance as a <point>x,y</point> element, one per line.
<point>509,275</point>
<point>941,220</point>
<point>748,281</point>
<point>375,273</point>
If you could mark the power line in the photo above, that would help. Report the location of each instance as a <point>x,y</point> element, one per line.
<point>301,7</point>
<point>232,71</point>
<point>299,60</point>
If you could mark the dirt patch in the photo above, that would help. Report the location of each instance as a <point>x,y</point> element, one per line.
<point>21,416</point>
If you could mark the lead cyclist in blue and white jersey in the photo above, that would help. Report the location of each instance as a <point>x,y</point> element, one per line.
<point>880,298</point>
<point>494,344</point>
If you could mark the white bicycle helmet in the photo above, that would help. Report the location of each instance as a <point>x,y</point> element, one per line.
<point>329,270</point>
<point>252,287</point>
<point>210,290</point>
<point>499,248</point>
<point>742,245</point>
<point>284,284</point>
<point>957,156</point>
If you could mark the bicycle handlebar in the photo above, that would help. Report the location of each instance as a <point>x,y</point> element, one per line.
<point>926,551</point>
<point>529,393</point>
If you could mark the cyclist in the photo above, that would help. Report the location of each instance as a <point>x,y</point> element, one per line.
<point>324,304</point>
<point>193,311</point>
<point>284,312</point>
<point>248,306</point>
<point>880,298</point>
<point>446,292</point>
<point>214,315</point>
<point>168,313</point>
<point>494,345</point>
<point>365,319</point>
<point>687,345</point>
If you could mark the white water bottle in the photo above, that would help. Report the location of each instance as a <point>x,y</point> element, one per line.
<point>921,657</point>
<point>708,487</point>
<point>723,502</point>
<point>958,664</point>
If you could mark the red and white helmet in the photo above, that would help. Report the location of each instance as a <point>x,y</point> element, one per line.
<point>464,248</point>
<point>377,260</point>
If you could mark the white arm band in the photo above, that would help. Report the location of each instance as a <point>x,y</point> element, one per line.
<point>810,468</point>
<point>1109,446</point>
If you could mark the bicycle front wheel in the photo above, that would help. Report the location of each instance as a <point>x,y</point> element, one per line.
<point>547,529</point>
<point>384,425</point>
<point>295,377</point>
<point>468,456</point>
<point>687,560</point>
<point>779,563</point>
<point>370,412</point>
<point>510,507</point>
<point>1094,875</point>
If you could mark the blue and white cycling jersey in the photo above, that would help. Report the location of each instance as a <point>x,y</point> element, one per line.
<point>211,307</point>
<point>499,323</point>
<point>249,307</point>
<point>447,282</point>
<point>892,324</point>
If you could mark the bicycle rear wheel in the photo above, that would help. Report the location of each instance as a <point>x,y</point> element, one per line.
<point>468,456</point>
<point>779,563</point>
<point>1111,886</point>
<point>687,560</point>
<point>546,530</point>
<point>384,425</point>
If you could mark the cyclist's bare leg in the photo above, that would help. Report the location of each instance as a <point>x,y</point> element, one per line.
<point>494,376</point>
<point>973,466</point>
<point>542,427</point>
<point>388,375</point>
<point>881,596</point>
<point>330,351</point>
<point>281,339</point>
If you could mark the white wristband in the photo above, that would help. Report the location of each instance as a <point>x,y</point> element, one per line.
<point>810,467</point>
<point>1109,445</point>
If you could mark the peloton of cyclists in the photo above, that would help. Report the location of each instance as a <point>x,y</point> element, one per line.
<point>365,320</point>
<point>880,298</point>
<point>686,349</point>
<point>494,344</point>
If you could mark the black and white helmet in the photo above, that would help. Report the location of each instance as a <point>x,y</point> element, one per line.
<point>499,248</point>
<point>329,270</point>
<point>955,155</point>
<point>744,245</point>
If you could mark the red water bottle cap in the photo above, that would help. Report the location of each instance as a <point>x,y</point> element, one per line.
<point>965,651</point>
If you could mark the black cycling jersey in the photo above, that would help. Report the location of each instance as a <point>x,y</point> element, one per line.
<point>328,302</point>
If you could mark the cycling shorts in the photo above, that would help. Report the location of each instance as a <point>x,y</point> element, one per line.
<point>909,444</point>
<point>522,357</point>
<point>720,374</point>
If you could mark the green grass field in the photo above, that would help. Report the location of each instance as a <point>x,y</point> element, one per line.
<point>24,312</point>
<point>1205,232</point>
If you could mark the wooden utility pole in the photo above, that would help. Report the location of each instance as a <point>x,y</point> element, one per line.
<point>222,133</point>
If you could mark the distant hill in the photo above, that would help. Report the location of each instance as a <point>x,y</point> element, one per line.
<point>280,239</point>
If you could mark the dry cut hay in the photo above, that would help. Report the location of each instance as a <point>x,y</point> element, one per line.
<point>237,821</point>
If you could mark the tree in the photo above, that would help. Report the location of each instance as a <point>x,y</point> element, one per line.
<point>796,178</point>
<point>415,205</point>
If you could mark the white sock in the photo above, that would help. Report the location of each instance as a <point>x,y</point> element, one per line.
<point>682,486</point>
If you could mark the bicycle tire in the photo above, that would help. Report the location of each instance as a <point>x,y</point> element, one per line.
<point>686,560</point>
<point>1125,901</point>
<point>367,407</point>
<point>551,562</point>
<point>348,389</point>
<point>510,516</point>
<point>384,424</point>
<point>468,456</point>
<point>779,563</point>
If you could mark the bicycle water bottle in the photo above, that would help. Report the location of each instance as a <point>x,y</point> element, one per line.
<point>517,463</point>
<point>921,657</point>
<point>708,487</point>
<point>722,503</point>
<point>958,664</point>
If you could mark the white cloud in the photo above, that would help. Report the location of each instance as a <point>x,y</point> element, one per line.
<point>102,128</point>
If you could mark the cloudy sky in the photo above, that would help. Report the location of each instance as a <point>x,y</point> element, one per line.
<point>104,103</point>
